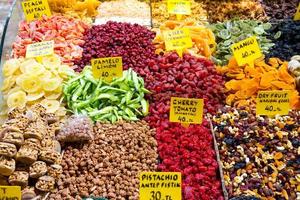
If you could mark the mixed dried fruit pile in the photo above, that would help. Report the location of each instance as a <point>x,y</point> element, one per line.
<point>110,131</point>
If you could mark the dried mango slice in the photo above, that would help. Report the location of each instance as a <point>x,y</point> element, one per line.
<point>51,105</point>
<point>284,74</point>
<point>266,80</point>
<point>17,100</point>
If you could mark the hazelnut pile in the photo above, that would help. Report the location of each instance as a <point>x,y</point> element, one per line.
<point>29,154</point>
<point>109,165</point>
<point>260,155</point>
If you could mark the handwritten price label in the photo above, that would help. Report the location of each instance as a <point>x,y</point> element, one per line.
<point>160,186</point>
<point>246,51</point>
<point>40,49</point>
<point>180,7</point>
<point>107,68</point>
<point>10,192</point>
<point>270,103</point>
<point>178,39</point>
<point>297,15</point>
<point>35,9</point>
<point>186,110</point>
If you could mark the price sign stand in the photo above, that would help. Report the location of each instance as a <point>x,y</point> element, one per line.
<point>107,68</point>
<point>271,103</point>
<point>160,186</point>
<point>40,49</point>
<point>186,111</point>
<point>178,39</point>
<point>246,51</point>
<point>179,7</point>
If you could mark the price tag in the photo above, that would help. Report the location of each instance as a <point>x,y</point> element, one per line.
<point>178,39</point>
<point>186,110</point>
<point>246,51</point>
<point>107,68</point>
<point>160,186</point>
<point>270,103</point>
<point>40,49</point>
<point>297,15</point>
<point>10,192</point>
<point>35,9</point>
<point>180,7</point>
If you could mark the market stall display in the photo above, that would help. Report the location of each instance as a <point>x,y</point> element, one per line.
<point>86,119</point>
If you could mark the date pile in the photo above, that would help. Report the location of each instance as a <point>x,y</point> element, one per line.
<point>109,165</point>
<point>29,156</point>
<point>260,156</point>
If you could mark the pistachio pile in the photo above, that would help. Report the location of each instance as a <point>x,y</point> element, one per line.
<point>29,156</point>
<point>109,165</point>
<point>260,156</point>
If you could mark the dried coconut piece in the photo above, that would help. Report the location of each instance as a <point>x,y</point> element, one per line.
<point>38,169</point>
<point>45,184</point>
<point>19,178</point>
<point>7,166</point>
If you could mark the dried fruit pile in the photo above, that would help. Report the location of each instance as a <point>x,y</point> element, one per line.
<point>287,39</point>
<point>230,32</point>
<point>280,9</point>
<point>203,38</point>
<point>160,13</point>
<point>29,156</point>
<point>111,171</point>
<point>244,82</point>
<point>28,82</point>
<point>66,32</point>
<point>130,11</point>
<point>260,155</point>
<point>132,42</point>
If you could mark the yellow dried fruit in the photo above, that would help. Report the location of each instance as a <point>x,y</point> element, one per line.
<point>31,83</point>
<point>51,105</point>
<point>51,84</point>
<point>10,67</point>
<point>35,96</point>
<point>17,100</point>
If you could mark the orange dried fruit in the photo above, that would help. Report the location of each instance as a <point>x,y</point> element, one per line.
<point>278,155</point>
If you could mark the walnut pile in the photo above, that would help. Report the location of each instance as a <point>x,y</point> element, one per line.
<point>108,166</point>
<point>28,151</point>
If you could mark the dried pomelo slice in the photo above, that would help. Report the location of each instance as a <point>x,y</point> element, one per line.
<point>10,67</point>
<point>35,96</point>
<point>31,84</point>
<point>51,105</point>
<point>51,84</point>
<point>17,99</point>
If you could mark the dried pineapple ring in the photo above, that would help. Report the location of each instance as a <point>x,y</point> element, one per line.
<point>31,84</point>
<point>64,71</point>
<point>17,99</point>
<point>10,67</point>
<point>51,84</point>
<point>14,89</point>
<point>35,96</point>
<point>54,94</point>
<point>51,105</point>
<point>36,69</point>
<point>8,83</point>
<point>62,111</point>
<point>45,75</point>
<point>27,62</point>
<point>51,62</point>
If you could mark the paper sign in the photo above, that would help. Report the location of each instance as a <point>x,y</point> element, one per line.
<point>10,192</point>
<point>181,7</point>
<point>178,39</point>
<point>160,186</point>
<point>35,9</point>
<point>186,110</point>
<point>297,15</point>
<point>270,103</point>
<point>246,51</point>
<point>107,68</point>
<point>40,49</point>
